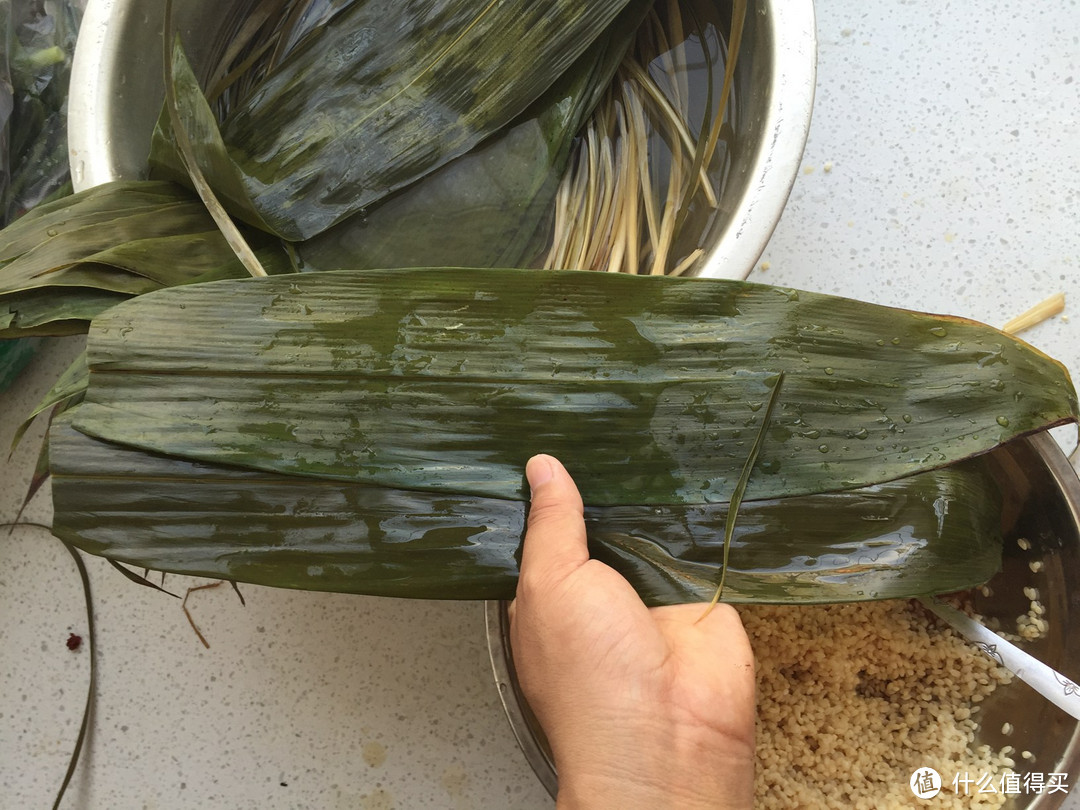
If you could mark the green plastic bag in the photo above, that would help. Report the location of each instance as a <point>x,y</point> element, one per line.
<point>36,45</point>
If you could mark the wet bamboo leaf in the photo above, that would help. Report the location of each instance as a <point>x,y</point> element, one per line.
<point>447,380</point>
<point>97,205</point>
<point>54,312</point>
<point>37,480</point>
<point>74,243</point>
<point>203,258</point>
<point>140,580</point>
<point>36,44</point>
<point>488,207</point>
<point>66,261</point>
<point>934,532</point>
<point>391,92</point>
<point>209,151</point>
<point>181,135</point>
<point>67,390</point>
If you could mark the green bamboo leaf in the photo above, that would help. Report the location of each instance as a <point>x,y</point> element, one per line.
<point>84,253</point>
<point>488,207</point>
<point>934,532</point>
<point>484,209</point>
<point>97,205</point>
<point>73,243</point>
<point>229,230</point>
<point>37,479</point>
<point>938,530</point>
<point>54,312</point>
<point>77,274</point>
<point>67,390</point>
<point>384,94</point>
<point>207,150</point>
<point>447,380</point>
<point>140,580</point>
<point>206,256</point>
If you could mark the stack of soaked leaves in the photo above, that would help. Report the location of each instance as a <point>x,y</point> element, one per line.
<point>365,429</point>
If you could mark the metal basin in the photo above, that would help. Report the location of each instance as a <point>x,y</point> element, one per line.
<point>117,91</point>
<point>1043,507</point>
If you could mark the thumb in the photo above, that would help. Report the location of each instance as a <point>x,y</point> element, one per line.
<point>555,536</point>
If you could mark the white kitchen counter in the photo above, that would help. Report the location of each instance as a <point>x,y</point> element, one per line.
<point>942,173</point>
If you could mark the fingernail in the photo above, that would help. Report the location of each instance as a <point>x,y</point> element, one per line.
<point>538,471</point>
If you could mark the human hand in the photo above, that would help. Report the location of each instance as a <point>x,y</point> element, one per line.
<point>643,708</point>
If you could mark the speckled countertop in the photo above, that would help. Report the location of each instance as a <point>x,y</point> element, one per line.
<point>942,173</point>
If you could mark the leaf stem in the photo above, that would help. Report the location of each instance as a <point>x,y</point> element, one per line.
<point>740,490</point>
<point>187,613</point>
<point>84,726</point>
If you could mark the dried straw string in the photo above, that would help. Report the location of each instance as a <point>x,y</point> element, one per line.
<point>1042,311</point>
<point>614,220</point>
<point>88,706</point>
<point>738,20</point>
<point>237,69</point>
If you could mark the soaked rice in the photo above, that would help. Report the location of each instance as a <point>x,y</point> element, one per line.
<point>852,699</point>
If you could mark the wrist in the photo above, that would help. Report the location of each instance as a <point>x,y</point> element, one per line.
<point>593,792</point>
<point>686,770</point>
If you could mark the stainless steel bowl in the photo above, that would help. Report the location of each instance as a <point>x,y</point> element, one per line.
<point>1043,507</point>
<point>117,91</point>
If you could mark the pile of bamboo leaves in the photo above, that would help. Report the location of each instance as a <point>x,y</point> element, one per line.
<point>365,429</point>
